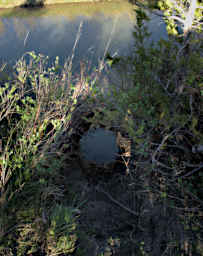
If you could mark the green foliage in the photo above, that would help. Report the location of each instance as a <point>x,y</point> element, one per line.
<point>160,111</point>
<point>177,14</point>
<point>161,102</point>
<point>39,223</point>
<point>31,115</point>
<point>61,236</point>
<point>141,16</point>
<point>34,109</point>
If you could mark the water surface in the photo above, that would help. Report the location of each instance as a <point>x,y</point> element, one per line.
<point>52,31</point>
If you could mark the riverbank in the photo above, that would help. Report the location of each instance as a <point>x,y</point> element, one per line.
<point>39,3</point>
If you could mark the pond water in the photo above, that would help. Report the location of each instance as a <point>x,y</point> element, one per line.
<point>99,146</point>
<point>52,31</point>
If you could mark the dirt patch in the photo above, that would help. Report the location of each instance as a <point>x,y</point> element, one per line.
<point>118,217</point>
<point>126,211</point>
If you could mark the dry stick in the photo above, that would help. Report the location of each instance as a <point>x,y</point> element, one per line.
<point>3,67</point>
<point>192,172</point>
<point>161,145</point>
<point>26,37</point>
<point>37,116</point>
<point>108,45</point>
<point>74,46</point>
<point>177,198</point>
<point>117,202</point>
<point>175,146</point>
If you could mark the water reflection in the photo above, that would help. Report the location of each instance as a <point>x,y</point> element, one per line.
<point>156,27</point>
<point>54,34</point>
<point>52,31</point>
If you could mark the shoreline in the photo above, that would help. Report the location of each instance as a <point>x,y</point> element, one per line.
<point>6,4</point>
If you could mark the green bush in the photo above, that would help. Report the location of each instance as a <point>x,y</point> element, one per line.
<point>61,236</point>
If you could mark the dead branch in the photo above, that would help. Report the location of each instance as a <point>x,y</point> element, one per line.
<point>117,202</point>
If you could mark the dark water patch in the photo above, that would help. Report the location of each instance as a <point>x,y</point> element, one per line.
<point>99,146</point>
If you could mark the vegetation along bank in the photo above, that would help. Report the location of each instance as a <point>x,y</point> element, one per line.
<point>151,206</point>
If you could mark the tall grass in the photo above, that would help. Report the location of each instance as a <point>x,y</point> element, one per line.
<point>36,109</point>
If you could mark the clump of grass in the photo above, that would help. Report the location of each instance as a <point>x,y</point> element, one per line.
<point>33,110</point>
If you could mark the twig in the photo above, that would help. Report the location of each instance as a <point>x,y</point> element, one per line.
<point>186,150</point>
<point>192,172</point>
<point>74,46</point>
<point>26,37</point>
<point>101,66</point>
<point>190,165</point>
<point>160,146</point>
<point>3,67</point>
<point>177,18</point>
<point>117,202</point>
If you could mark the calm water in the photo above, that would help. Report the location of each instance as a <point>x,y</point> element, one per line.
<point>52,31</point>
<point>99,146</point>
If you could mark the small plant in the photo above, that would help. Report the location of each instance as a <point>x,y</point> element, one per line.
<point>61,236</point>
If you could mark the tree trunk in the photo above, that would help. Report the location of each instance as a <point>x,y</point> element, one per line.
<point>190,16</point>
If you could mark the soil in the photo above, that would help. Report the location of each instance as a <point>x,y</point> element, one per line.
<point>119,217</point>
